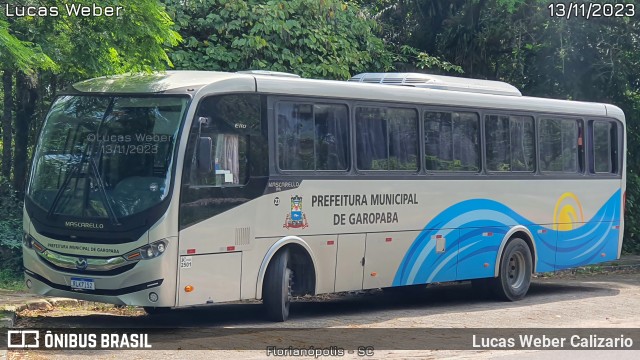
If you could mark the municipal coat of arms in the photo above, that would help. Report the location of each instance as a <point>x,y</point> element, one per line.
<point>296,218</point>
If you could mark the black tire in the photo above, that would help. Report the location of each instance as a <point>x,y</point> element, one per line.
<point>276,290</point>
<point>514,277</point>
<point>150,310</point>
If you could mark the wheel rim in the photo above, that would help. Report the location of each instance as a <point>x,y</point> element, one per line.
<point>516,270</point>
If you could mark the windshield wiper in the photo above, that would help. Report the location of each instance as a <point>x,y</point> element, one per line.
<point>99,183</point>
<point>103,191</point>
<point>86,153</point>
<point>65,183</point>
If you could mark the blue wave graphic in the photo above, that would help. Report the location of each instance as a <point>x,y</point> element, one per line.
<point>471,253</point>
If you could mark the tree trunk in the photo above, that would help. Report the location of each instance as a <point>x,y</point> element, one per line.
<point>26,97</point>
<point>7,86</point>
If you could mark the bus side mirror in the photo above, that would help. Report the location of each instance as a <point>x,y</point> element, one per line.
<point>204,154</point>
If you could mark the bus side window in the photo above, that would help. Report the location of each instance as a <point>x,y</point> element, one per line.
<point>224,166</point>
<point>235,167</point>
<point>451,141</point>
<point>228,121</point>
<point>312,137</point>
<point>510,143</point>
<point>559,141</point>
<point>604,152</point>
<point>387,138</point>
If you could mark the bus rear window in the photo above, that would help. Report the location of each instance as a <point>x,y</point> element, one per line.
<point>605,157</point>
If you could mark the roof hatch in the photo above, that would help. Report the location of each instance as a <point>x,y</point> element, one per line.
<point>439,82</point>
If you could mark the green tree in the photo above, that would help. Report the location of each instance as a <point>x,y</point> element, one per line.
<point>75,47</point>
<point>15,55</point>
<point>20,54</point>
<point>327,39</point>
<point>43,54</point>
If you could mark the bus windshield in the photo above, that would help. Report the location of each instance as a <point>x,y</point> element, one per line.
<point>105,157</point>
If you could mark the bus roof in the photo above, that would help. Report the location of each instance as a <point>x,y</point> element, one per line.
<point>204,82</point>
<point>159,82</point>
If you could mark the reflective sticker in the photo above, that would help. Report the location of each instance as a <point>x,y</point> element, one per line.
<point>185,262</point>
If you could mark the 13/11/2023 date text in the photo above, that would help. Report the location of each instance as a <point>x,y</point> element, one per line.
<point>590,10</point>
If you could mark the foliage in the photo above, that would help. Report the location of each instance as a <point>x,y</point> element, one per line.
<point>11,279</point>
<point>326,39</point>
<point>78,47</point>
<point>631,244</point>
<point>10,216</point>
<point>394,163</point>
<point>422,60</point>
<point>632,214</point>
<point>434,163</point>
<point>23,55</point>
<point>96,45</point>
<point>10,235</point>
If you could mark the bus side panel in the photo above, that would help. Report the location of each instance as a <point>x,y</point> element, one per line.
<point>432,257</point>
<point>384,252</point>
<point>569,255</point>
<point>479,249</point>
<point>546,243</point>
<point>594,241</point>
<point>251,262</point>
<point>213,278</point>
<point>324,250</point>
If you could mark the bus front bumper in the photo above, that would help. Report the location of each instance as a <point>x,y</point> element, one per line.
<point>149,283</point>
<point>138,295</point>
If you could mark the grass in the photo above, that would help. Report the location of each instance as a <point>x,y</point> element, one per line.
<point>9,280</point>
<point>590,269</point>
<point>101,307</point>
<point>595,269</point>
<point>5,315</point>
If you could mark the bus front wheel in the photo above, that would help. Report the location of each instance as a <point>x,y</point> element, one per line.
<point>276,291</point>
<point>514,278</point>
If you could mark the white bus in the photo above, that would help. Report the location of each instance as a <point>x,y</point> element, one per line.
<point>187,188</point>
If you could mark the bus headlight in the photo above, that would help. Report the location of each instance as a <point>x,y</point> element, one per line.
<point>150,251</point>
<point>29,242</point>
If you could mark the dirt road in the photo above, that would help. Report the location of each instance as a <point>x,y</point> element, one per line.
<point>609,300</point>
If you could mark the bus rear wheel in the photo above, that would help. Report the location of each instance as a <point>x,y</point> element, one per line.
<point>514,277</point>
<point>276,291</point>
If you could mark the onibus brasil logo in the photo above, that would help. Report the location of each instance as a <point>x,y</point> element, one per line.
<point>296,218</point>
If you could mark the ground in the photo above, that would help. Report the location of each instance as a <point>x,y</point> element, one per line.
<point>604,300</point>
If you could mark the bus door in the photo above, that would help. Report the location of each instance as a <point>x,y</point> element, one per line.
<point>349,264</point>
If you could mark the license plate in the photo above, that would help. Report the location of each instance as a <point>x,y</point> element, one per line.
<point>82,284</point>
